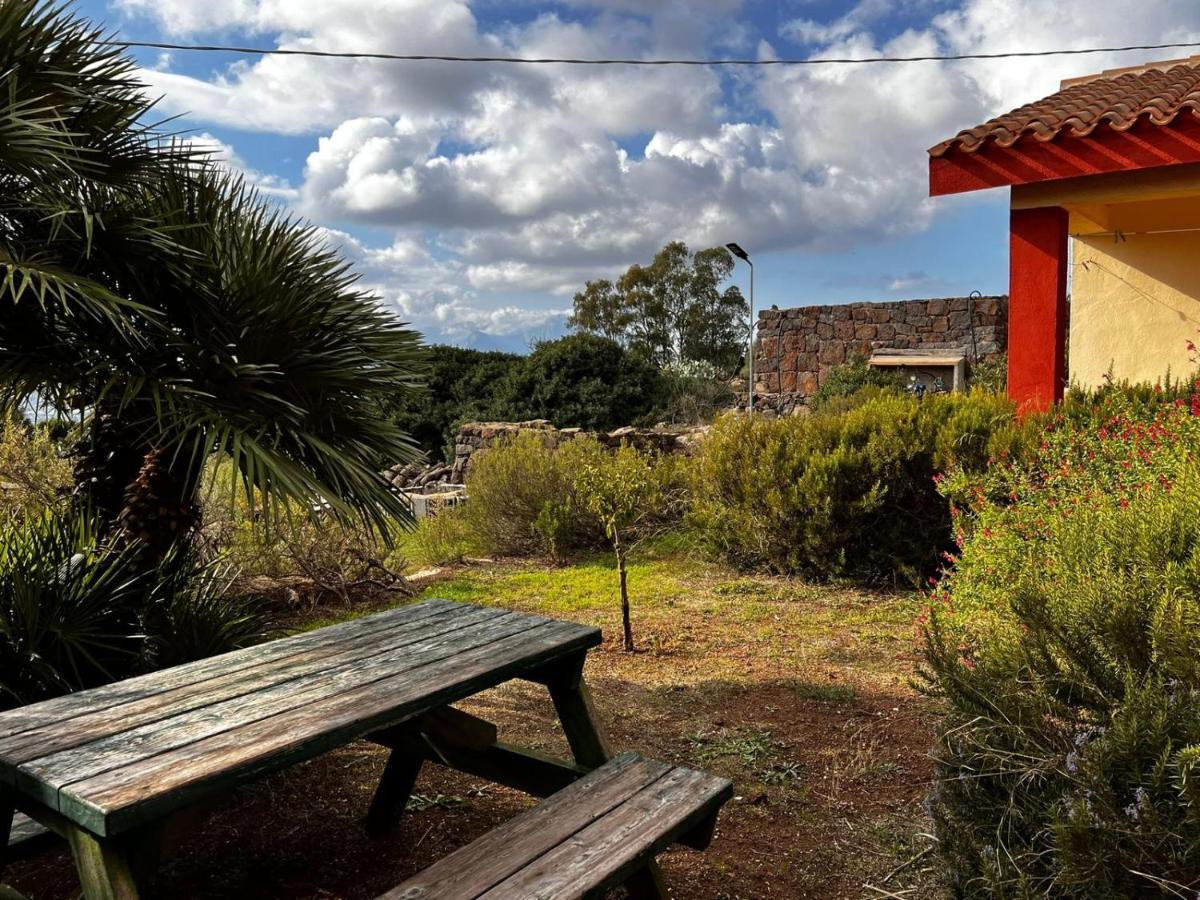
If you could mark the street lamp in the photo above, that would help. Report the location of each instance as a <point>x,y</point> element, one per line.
<point>741,254</point>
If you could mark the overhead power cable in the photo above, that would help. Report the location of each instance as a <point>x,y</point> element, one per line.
<point>575,61</point>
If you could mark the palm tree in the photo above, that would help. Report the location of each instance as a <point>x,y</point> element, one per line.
<point>178,313</point>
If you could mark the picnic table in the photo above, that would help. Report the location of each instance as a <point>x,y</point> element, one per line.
<point>106,767</point>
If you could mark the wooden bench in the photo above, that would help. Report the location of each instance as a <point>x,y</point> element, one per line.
<point>601,831</point>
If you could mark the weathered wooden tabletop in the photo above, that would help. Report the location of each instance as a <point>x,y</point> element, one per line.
<point>116,757</point>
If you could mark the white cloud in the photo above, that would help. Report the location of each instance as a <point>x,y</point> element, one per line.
<point>502,180</point>
<point>436,295</point>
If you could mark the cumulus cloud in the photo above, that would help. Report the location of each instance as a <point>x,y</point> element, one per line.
<point>502,180</point>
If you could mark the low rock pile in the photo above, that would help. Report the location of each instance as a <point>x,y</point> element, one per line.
<point>421,477</point>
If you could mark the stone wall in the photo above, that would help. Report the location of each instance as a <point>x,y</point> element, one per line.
<point>797,347</point>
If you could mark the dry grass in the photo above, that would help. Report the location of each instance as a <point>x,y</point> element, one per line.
<point>800,693</point>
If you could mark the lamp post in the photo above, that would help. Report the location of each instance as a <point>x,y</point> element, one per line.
<point>741,254</point>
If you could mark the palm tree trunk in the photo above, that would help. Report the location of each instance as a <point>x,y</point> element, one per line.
<point>160,508</point>
<point>137,493</point>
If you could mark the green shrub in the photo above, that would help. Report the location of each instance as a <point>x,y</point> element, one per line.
<point>990,374</point>
<point>582,381</point>
<point>446,537</point>
<point>693,392</point>
<point>510,486</point>
<point>74,613</point>
<point>1065,647</point>
<point>850,379</point>
<point>524,495</point>
<point>34,474</point>
<point>199,613</point>
<point>842,493</point>
<point>334,558</point>
<point>462,385</point>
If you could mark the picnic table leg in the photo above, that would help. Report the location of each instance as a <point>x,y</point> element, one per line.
<point>580,724</point>
<point>7,810</point>
<point>647,883</point>
<point>395,787</point>
<point>112,868</point>
<point>590,747</point>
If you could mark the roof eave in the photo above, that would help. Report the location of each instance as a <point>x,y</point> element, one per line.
<point>1031,158</point>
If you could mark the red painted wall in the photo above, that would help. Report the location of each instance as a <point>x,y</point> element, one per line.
<point>1037,306</point>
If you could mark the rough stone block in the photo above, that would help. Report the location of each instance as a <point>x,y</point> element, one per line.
<point>937,308</point>
<point>865,332</point>
<point>832,354</point>
<point>940,325</point>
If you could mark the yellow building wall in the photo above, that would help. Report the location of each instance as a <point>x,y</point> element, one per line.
<point>1135,303</point>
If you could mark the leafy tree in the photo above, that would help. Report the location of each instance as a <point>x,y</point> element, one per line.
<point>672,310</point>
<point>462,386</point>
<point>583,381</point>
<point>180,313</point>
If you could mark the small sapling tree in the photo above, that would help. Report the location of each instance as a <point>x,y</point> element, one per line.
<point>626,493</point>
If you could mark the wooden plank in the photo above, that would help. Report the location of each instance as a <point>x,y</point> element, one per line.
<point>83,729</point>
<point>611,849</point>
<point>25,837</point>
<point>506,850</point>
<point>482,626</point>
<point>453,726</point>
<point>67,706</point>
<point>515,767</point>
<point>118,799</point>
<point>24,829</point>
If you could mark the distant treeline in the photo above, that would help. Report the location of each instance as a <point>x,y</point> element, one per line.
<point>657,344</point>
<point>581,380</point>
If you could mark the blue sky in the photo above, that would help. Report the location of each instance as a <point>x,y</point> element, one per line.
<point>476,199</point>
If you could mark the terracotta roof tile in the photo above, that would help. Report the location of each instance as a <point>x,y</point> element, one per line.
<point>1118,98</point>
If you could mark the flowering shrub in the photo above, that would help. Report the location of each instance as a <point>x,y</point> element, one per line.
<point>1065,644</point>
